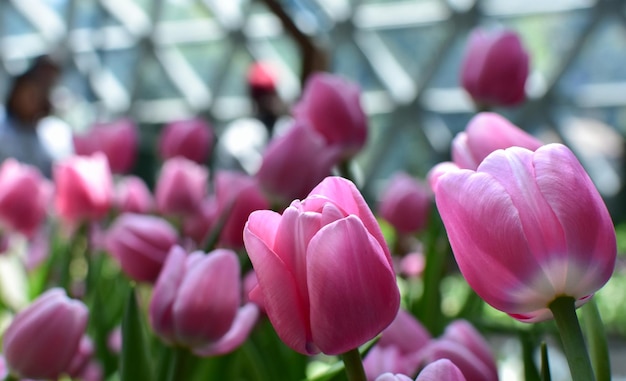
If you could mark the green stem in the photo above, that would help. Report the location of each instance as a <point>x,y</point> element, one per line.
<point>564,312</point>
<point>11,377</point>
<point>354,365</point>
<point>345,170</point>
<point>176,365</point>
<point>545,363</point>
<point>596,337</point>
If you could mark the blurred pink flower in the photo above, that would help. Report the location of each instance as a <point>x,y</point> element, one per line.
<point>181,187</point>
<point>132,195</point>
<point>190,138</point>
<point>405,203</point>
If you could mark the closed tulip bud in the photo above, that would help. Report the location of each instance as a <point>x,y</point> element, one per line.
<point>332,105</point>
<point>24,197</point>
<point>485,133</point>
<point>81,358</point>
<point>462,332</point>
<point>535,222</point>
<point>140,243</point>
<point>196,301</point>
<point>394,377</point>
<point>405,204</point>
<point>84,188</point>
<point>237,195</point>
<point>325,273</point>
<point>43,338</point>
<point>295,163</point>
<point>133,196</point>
<point>191,139</point>
<point>441,370</point>
<point>117,140</point>
<point>199,226</point>
<point>181,187</point>
<point>495,67</point>
<point>467,362</point>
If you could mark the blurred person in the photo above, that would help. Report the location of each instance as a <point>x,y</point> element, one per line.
<point>241,145</point>
<point>26,131</point>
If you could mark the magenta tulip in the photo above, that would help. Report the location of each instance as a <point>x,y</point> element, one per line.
<point>81,358</point>
<point>535,223</point>
<point>140,243</point>
<point>237,195</point>
<point>485,133</point>
<point>84,188</point>
<point>181,187</point>
<point>43,339</point>
<point>405,203</point>
<point>325,274</point>
<point>191,139</point>
<point>199,226</point>
<point>332,106</point>
<point>133,196</point>
<point>24,197</point>
<point>295,163</point>
<point>441,370</point>
<point>495,67</point>
<point>196,302</point>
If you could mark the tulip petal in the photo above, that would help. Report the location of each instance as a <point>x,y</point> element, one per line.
<point>360,302</point>
<point>468,363</point>
<point>441,370</point>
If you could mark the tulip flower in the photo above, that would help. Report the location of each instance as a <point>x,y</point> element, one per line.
<point>237,195</point>
<point>495,67</point>
<point>485,133</point>
<point>325,276</point>
<point>405,204</point>
<point>43,338</point>
<point>196,302</point>
<point>84,188</point>
<point>181,187</point>
<point>117,140</point>
<point>24,197</point>
<point>191,139</point>
<point>440,370</point>
<point>133,196</point>
<point>81,358</point>
<point>140,243</point>
<point>295,163</point>
<point>199,226</point>
<point>332,106</point>
<point>535,223</point>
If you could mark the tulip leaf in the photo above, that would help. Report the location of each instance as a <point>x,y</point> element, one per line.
<point>134,361</point>
<point>545,363</point>
<point>529,344</point>
<point>593,329</point>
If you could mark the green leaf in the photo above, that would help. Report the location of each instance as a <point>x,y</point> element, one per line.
<point>545,363</point>
<point>595,336</point>
<point>135,360</point>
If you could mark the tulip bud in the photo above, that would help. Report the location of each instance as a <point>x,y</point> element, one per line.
<point>42,340</point>
<point>81,358</point>
<point>535,222</point>
<point>196,300</point>
<point>133,196</point>
<point>181,187</point>
<point>199,226</point>
<point>495,67</point>
<point>441,370</point>
<point>405,204</point>
<point>324,270</point>
<point>24,197</point>
<point>140,243</point>
<point>332,106</point>
<point>84,188</point>
<point>191,139</point>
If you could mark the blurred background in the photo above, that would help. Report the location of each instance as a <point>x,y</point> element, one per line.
<point>159,60</point>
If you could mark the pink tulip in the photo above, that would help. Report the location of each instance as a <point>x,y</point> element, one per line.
<point>140,243</point>
<point>133,196</point>
<point>81,358</point>
<point>332,105</point>
<point>398,347</point>
<point>495,67</point>
<point>462,332</point>
<point>84,188</point>
<point>441,370</point>
<point>405,203</point>
<point>181,187</point>
<point>535,223</point>
<point>117,140</point>
<point>43,338</point>
<point>470,365</point>
<point>24,197</point>
<point>394,377</point>
<point>199,226</point>
<point>485,133</point>
<point>191,139</point>
<point>325,274</point>
<point>295,163</point>
<point>196,302</point>
<point>237,195</point>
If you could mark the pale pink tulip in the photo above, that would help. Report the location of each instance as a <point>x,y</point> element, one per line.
<point>405,203</point>
<point>495,67</point>
<point>441,370</point>
<point>535,223</point>
<point>181,187</point>
<point>42,339</point>
<point>190,138</point>
<point>133,196</point>
<point>196,302</point>
<point>325,274</point>
<point>332,105</point>
<point>140,243</point>
<point>84,188</point>
<point>24,197</point>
